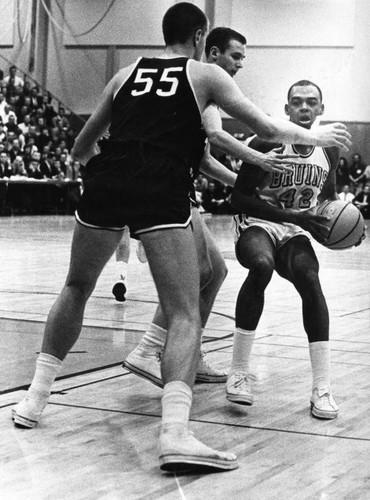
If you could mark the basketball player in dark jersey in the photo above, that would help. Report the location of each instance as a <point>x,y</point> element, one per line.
<point>273,233</point>
<point>141,178</point>
<point>226,48</point>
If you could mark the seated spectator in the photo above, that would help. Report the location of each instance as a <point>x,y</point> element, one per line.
<point>2,104</point>
<point>33,134</point>
<point>362,201</point>
<point>48,110</point>
<point>199,194</point>
<point>355,174</point>
<point>33,169</point>
<point>14,149</point>
<point>14,102</point>
<point>6,169</point>
<point>27,88</point>
<point>29,150</point>
<point>43,139</point>
<point>4,90</point>
<point>60,120</point>
<point>12,126</point>
<point>17,80</point>
<point>365,176</point>
<point>202,182</point>
<point>36,98</point>
<point>345,194</point>
<point>60,175</point>
<point>26,101</point>
<point>8,112</point>
<point>47,166</point>
<point>3,135</point>
<point>215,200</point>
<point>24,125</point>
<point>19,168</point>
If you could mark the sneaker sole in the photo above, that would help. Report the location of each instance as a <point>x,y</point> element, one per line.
<point>240,400</point>
<point>211,379</point>
<point>143,374</point>
<point>23,422</point>
<point>178,462</point>
<point>322,414</point>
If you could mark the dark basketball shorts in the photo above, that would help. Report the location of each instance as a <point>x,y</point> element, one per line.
<point>135,185</point>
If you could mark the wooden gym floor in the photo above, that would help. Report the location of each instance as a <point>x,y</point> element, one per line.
<point>98,436</point>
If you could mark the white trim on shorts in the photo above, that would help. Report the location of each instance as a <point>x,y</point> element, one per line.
<point>140,231</point>
<point>92,226</point>
<point>164,226</point>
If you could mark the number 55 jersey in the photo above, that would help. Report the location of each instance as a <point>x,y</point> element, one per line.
<point>156,105</point>
<point>142,176</point>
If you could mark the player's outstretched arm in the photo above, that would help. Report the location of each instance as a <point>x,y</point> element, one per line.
<point>215,169</point>
<point>274,160</point>
<point>220,88</point>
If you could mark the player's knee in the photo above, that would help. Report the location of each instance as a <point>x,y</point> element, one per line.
<point>80,289</point>
<point>213,274</point>
<point>306,280</point>
<point>263,266</point>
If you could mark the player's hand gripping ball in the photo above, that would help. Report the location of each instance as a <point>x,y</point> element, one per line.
<point>346,224</point>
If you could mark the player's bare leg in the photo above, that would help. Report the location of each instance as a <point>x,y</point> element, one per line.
<point>297,262</point>
<point>91,249</point>
<point>256,253</point>
<point>145,359</point>
<point>172,259</point>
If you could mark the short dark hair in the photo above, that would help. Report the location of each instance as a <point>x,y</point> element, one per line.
<point>181,21</point>
<point>221,37</point>
<point>304,83</point>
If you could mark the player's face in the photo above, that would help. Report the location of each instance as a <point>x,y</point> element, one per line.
<point>232,59</point>
<point>304,105</point>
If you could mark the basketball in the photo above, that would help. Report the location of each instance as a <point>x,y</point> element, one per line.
<point>346,224</point>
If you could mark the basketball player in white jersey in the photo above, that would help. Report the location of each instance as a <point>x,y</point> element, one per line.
<point>273,229</point>
<point>141,179</point>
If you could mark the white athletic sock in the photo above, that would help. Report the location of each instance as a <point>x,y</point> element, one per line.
<point>47,368</point>
<point>122,270</point>
<point>243,342</point>
<point>176,403</point>
<point>320,363</point>
<point>154,337</point>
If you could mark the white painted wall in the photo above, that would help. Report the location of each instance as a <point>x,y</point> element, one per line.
<point>327,41</point>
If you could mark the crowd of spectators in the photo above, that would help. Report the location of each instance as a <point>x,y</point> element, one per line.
<point>36,136</point>
<point>353,183</point>
<point>212,196</point>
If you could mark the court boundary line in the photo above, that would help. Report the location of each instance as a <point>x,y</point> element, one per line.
<point>224,424</point>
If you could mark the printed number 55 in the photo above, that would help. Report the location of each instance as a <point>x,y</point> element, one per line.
<point>143,77</point>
